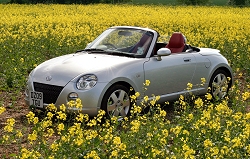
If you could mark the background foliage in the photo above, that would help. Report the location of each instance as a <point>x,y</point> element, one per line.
<point>195,128</point>
<point>165,2</point>
<point>31,34</point>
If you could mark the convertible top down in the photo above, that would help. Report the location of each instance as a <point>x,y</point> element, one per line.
<point>121,58</point>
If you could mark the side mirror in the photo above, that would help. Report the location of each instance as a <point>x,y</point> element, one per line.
<point>163,52</point>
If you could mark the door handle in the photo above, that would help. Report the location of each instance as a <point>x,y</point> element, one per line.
<point>187,59</point>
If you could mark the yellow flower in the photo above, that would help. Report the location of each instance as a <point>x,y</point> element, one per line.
<point>165,132</point>
<point>35,120</point>
<point>208,96</point>
<point>80,117</point>
<point>176,130</point>
<point>25,153</point>
<point>54,147</point>
<point>181,97</point>
<point>51,107</point>
<point>2,109</point>
<point>92,122</point>
<point>198,103</point>
<point>114,153</point>
<point>188,152</point>
<point>149,135</point>
<point>236,142</point>
<point>137,94</point>
<point>60,127</point>
<point>92,155</point>
<point>163,113</point>
<point>203,81</point>
<point>155,152</point>
<point>224,150</point>
<point>190,117</point>
<point>248,149</point>
<point>157,98</point>
<point>6,137</point>
<point>19,134</point>
<point>147,83</point>
<point>163,141</point>
<point>117,140</point>
<point>50,115</point>
<point>45,124</point>
<point>135,125</point>
<point>185,132</point>
<point>122,147</point>
<point>214,151</point>
<point>245,95</point>
<point>10,124</point>
<point>61,115</point>
<point>145,98</point>
<point>136,109</point>
<point>189,86</point>
<point>208,143</point>
<point>22,60</point>
<point>33,136</point>
<point>30,116</point>
<point>63,108</point>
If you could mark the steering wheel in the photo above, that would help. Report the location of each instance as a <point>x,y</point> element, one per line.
<point>109,44</point>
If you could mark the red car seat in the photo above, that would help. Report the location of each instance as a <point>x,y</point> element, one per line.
<point>176,43</point>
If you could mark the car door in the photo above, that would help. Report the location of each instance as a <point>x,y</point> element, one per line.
<point>169,77</point>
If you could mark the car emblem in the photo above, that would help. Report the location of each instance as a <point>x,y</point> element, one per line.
<point>48,78</point>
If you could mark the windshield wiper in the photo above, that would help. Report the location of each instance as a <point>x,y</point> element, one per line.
<point>108,52</point>
<point>90,49</point>
<point>122,53</point>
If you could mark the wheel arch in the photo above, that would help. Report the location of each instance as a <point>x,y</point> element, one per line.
<point>124,83</point>
<point>228,71</point>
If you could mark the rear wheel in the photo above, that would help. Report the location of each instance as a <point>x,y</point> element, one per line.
<point>116,102</point>
<point>219,84</point>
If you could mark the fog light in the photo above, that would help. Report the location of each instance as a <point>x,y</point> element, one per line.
<point>73,96</point>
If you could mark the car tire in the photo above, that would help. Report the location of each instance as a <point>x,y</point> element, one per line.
<point>219,84</point>
<point>117,102</point>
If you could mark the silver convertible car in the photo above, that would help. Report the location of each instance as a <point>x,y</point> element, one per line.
<point>122,58</point>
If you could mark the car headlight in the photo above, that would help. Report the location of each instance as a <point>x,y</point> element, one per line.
<point>86,82</point>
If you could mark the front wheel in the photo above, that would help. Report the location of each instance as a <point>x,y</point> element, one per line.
<point>116,102</point>
<point>219,84</point>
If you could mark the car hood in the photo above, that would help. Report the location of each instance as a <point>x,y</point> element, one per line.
<point>61,70</point>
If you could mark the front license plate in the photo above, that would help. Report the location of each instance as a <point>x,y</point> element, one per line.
<point>36,99</point>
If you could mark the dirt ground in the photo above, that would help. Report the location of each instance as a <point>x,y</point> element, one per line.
<point>16,110</point>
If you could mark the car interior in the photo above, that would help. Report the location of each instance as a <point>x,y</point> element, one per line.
<point>176,44</point>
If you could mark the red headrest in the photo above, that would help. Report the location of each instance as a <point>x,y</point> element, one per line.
<point>176,42</point>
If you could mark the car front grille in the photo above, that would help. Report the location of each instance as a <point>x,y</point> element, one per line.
<point>50,92</point>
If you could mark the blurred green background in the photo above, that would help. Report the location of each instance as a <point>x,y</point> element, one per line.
<point>165,2</point>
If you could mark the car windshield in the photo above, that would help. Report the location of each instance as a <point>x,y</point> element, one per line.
<point>118,41</point>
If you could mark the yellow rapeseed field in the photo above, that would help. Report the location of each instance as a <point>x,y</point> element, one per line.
<point>224,28</point>
<point>31,34</point>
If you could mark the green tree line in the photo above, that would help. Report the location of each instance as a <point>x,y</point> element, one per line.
<point>69,1</point>
<point>182,2</point>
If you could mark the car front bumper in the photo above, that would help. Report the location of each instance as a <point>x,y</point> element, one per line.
<point>90,99</point>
